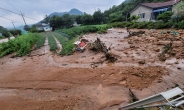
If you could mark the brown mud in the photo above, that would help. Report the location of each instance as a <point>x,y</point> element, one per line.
<point>85,81</point>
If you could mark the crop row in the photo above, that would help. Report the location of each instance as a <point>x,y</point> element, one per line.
<point>21,45</point>
<point>52,42</point>
<point>41,41</point>
<point>67,46</point>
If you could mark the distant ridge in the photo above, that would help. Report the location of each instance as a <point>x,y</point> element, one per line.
<point>71,12</point>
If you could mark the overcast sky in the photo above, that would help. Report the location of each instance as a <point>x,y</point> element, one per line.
<point>37,9</point>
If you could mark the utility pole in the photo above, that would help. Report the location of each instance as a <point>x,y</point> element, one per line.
<point>23,18</point>
<point>13,25</point>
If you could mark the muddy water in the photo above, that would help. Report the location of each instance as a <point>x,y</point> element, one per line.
<point>85,80</point>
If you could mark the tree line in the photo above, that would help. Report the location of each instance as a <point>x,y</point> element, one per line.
<point>7,33</point>
<point>117,13</point>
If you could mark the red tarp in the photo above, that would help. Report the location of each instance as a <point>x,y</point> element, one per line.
<point>82,44</point>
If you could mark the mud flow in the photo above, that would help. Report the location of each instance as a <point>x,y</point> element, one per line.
<point>146,64</point>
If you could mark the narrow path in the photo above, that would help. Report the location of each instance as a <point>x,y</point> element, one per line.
<point>46,46</point>
<point>42,51</point>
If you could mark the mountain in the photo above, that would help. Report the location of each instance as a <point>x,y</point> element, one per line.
<point>1,28</point>
<point>71,12</point>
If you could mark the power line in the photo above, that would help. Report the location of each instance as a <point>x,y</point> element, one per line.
<point>31,18</point>
<point>9,11</point>
<point>79,3</point>
<point>7,1</point>
<point>17,13</point>
<point>11,20</point>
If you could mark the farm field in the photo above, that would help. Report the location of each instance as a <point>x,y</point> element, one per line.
<point>46,80</point>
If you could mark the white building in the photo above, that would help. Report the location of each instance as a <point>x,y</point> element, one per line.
<point>44,27</point>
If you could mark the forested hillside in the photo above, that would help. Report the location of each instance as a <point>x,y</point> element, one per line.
<point>118,13</point>
<point>113,14</point>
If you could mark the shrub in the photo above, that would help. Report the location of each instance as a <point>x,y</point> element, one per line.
<point>161,25</point>
<point>134,18</point>
<point>75,31</point>
<point>165,16</point>
<point>5,33</point>
<point>40,41</point>
<point>180,25</point>
<point>15,32</point>
<point>134,25</point>
<point>142,25</point>
<point>21,45</point>
<point>1,37</point>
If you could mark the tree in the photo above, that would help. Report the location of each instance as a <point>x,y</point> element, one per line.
<point>15,32</point>
<point>33,29</point>
<point>165,16</point>
<point>26,27</point>
<point>78,19</point>
<point>98,17</point>
<point>56,22</point>
<point>47,18</point>
<point>180,12</point>
<point>5,33</point>
<point>87,19</point>
<point>68,20</point>
<point>134,18</point>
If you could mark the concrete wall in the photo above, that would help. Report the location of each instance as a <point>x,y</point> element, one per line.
<point>142,9</point>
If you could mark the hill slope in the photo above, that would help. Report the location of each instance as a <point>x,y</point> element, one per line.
<point>71,12</point>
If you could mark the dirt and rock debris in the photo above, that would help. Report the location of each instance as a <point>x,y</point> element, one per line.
<point>86,80</point>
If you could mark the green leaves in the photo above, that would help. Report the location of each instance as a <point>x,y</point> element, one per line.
<point>21,45</point>
<point>41,41</point>
<point>165,16</point>
<point>52,42</point>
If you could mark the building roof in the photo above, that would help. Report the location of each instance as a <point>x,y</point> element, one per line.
<point>160,4</point>
<point>157,5</point>
<point>43,25</point>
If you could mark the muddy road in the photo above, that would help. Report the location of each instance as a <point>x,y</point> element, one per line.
<point>46,81</point>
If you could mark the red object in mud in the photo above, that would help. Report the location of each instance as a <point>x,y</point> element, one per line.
<point>82,44</point>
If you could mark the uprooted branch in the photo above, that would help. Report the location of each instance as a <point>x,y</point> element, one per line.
<point>134,33</point>
<point>99,46</point>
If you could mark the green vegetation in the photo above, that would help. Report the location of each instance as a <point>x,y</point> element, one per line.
<point>67,46</point>
<point>180,25</point>
<point>1,37</point>
<point>52,42</point>
<point>117,13</point>
<point>148,25</point>
<point>5,33</point>
<point>21,45</point>
<point>33,29</point>
<point>40,41</point>
<point>16,32</point>
<point>165,16</point>
<point>71,33</point>
<point>134,18</point>
<point>61,39</point>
